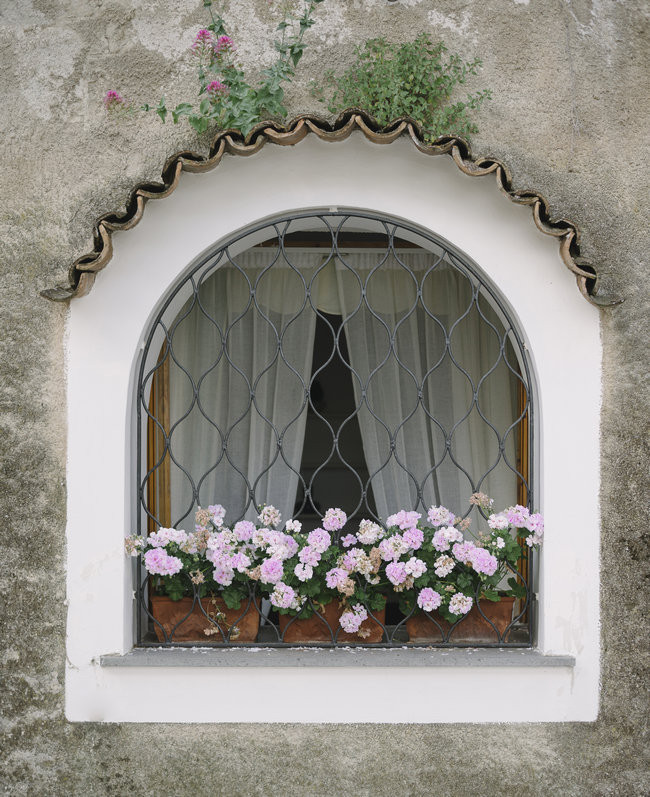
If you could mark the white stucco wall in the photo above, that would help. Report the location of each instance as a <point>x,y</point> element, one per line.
<point>106,329</point>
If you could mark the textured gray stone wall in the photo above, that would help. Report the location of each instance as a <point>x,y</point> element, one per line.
<point>570,83</point>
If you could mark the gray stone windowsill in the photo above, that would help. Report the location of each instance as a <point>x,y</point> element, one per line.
<point>335,657</point>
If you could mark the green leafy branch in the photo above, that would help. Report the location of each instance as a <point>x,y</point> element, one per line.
<point>415,79</point>
<point>226,98</point>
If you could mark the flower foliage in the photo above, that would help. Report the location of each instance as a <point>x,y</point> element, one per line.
<point>226,99</point>
<point>415,79</point>
<point>428,564</point>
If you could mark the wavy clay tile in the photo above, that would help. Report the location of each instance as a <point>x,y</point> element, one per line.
<point>82,273</point>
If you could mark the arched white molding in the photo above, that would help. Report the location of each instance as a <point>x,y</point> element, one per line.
<point>105,334</point>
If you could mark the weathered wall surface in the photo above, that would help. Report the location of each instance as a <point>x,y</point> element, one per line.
<point>568,116</point>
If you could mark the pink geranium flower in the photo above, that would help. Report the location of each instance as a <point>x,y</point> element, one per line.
<point>271,571</point>
<point>334,519</point>
<point>429,600</point>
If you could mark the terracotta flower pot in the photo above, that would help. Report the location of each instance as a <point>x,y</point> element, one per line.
<point>473,628</point>
<point>314,628</point>
<point>192,629</point>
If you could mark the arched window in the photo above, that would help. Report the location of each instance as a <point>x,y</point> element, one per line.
<point>333,359</point>
<point>520,286</point>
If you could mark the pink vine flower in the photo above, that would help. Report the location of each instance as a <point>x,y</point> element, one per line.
<point>217,89</point>
<point>113,101</point>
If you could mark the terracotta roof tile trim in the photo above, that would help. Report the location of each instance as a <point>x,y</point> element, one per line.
<point>82,273</point>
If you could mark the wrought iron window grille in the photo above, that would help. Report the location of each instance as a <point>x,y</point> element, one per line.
<point>422,306</point>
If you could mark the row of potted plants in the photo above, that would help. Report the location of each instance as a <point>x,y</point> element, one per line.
<point>331,584</point>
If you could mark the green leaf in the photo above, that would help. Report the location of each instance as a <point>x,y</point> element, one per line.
<point>376,602</point>
<point>174,586</point>
<point>517,590</point>
<point>161,110</point>
<point>218,27</point>
<point>232,597</point>
<point>183,109</point>
<point>199,123</point>
<point>464,581</point>
<point>296,53</point>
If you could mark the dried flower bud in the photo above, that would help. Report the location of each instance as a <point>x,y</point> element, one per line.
<point>202,538</point>
<point>481,500</point>
<point>375,559</point>
<point>202,518</point>
<point>133,545</point>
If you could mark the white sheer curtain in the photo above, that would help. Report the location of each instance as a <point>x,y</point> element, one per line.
<point>397,384</point>
<point>231,349</point>
<point>223,439</point>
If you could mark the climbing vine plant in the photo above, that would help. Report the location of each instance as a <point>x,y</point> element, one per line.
<point>225,98</point>
<point>415,79</point>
